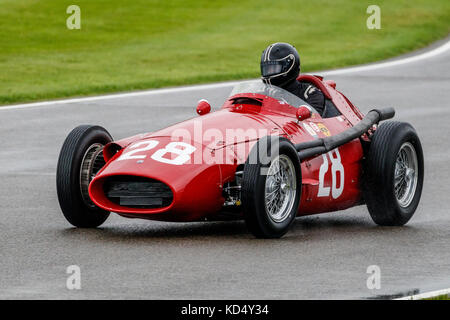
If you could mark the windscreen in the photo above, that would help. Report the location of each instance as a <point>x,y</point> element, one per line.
<point>275,92</point>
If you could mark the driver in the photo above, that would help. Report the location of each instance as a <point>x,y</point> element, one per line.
<point>280,66</point>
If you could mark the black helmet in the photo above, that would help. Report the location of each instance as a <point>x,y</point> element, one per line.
<point>280,64</point>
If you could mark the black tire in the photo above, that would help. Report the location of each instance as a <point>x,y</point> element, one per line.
<point>258,220</point>
<point>75,208</point>
<point>379,174</point>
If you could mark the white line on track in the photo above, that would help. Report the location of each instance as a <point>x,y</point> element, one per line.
<point>426,55</point>
<point>427,295</point>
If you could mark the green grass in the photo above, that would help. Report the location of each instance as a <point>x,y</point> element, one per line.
<point>442,297</point>
<point>130,45</point>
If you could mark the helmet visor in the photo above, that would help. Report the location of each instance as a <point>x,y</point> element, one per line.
<point>276,67</point>
<point>271,68</point>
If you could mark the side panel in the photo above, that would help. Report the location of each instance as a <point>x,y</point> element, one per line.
<point>331,181</point>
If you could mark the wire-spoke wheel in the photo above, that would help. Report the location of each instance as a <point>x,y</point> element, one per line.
<point>91,164</point>
<point>393,176</point>
<point>271,186</point>
<point>80,159</point>
<point>406,174</point>
<point>280,188</point>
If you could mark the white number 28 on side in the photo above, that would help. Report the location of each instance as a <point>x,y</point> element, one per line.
<point>182,151</point>
<point>336,166</point>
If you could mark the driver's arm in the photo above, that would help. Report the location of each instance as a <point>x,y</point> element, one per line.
<point>315,98</point>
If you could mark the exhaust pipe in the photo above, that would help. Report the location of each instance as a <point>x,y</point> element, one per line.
<point>317,147</point>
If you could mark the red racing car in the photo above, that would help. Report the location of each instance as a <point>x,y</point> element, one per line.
<point>266,157</point>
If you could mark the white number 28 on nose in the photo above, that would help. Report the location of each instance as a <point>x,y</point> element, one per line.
<point>182,150</point>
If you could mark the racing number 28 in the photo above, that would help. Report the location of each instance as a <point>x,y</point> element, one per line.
<point>182,151</point>
<point>336,166</point>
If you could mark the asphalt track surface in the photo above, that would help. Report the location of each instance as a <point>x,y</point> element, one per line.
<point>322,257</point>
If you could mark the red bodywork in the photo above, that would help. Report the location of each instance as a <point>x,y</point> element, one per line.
<point>198,187</point>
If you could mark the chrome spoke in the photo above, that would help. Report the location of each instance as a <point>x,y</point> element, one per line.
<point>280,188</point>
<point>405,174</point>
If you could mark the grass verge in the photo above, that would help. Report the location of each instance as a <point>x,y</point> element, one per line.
<point>441,297</point>
<point>144,44</point>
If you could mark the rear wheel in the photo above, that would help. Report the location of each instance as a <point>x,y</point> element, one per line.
<point>271,187</point>
<point>394,171</point>
<point>80,159</point>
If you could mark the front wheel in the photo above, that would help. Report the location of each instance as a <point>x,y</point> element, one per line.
<point>394,169</point>
<point>80,159</point>
<point>271,186</point>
